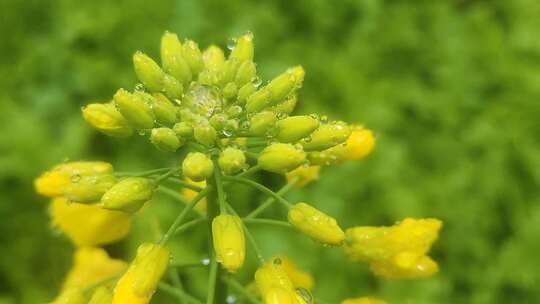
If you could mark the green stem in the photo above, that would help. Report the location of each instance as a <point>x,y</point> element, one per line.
<point>269,201</point>
<point>177,196</point>
<point>182,215</point>
<point>185,184</point>
<point>259,187</point>
<point>234,284</point>
<point>165,176</point>
<point>190,265</point>
<point>217,291</point>
<point>179,294</point>
<point>219,186</point>
<point>267,222</point>
<point>189,224</point>
<point>142,173</point>
<point>249,171</point>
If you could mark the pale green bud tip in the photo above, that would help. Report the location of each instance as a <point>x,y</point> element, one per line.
<point>164,110</point>
<point>286,83</point>
<point>261,122</point>
<point>192,55</point>
<point>294,128</point>
<point>172,59</point>
<point>316,224</point>
<point>148,72</point>
<point>134,108</point>
<point>213,58</point>
<point>107,119</point>
<point>183,129</point>
<point>244,48</point>
<point>281,158</point>
<point>129,195</point>
<point>258,100</point>
<point>165,139</point>
<point>232,160</point>
<point>326,136</point>
<point>148,268</point>
<point>197,166</point>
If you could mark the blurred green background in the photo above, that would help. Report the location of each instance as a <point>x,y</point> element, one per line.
<point>451,88</point>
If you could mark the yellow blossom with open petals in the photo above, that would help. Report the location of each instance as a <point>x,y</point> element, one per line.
<point>89,225</point>
<point>399,251</point>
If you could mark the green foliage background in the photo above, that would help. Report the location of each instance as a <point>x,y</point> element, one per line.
<point>452,89</point>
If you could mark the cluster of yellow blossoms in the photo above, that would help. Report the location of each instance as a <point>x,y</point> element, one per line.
<point>215,106</point>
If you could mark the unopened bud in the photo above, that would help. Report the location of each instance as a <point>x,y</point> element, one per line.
<point>71,296</point>
<point>243,50</point>
<point>258,101</point>
<point>278,295</point>
<point>326,136</point>
<point>285,84</point>
<point>261,122</point>
<point>165,139</point>
<point>287,106</point>
<point>129,195</point>
<point>205,134</point>
<point>192,55</point>
<point>148,72</point>
<point>148,268</point>
<point>294,128</point>
<point>246,91</point>
<point>134,108</point>
<point>106,119</point>
<point>164,109</point>
<point>281,158</point>
<point>89,189</point>
<point>316,224</point>
<point>246,72</point>
<point>272,275</point>
<point>232,160</point>
<point>197,166</point>
<point>172,59</point>
<point>229,242</point>
<point>230,90</point>
<point>183,129</point>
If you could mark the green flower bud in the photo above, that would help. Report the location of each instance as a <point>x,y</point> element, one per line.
<point>188,116</point>
<point>230,90</point>
<point>171,58</point>
<point>281,158</point>
<point>294,128</point>
<point>134,109</point>
<point>244,48</point>
<point>172,87</point>
<point>246,72</point>
<point>285,84</point>
<point>205,134</point>
<point>197,166</point>
<point>245,91</point>
<point>229,71</point>
<point>183,129</point>
<point>287,106</point>
<point>106,119</point>
<point>165,139</point>
<point>164,110</point>
<point>148,72</point>
<point>193,56</point>
<point>327,136</point>
<point>213,58</point>
<point>261,122</point>
<point>87,189</point>
<point>258,101</point>
<point>129,195</point>
<point>218,121</point>
<point>234,111</point>
<point>231,160</point>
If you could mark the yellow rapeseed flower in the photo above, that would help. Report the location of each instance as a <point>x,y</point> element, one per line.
<point>317,225</point>
<point>138,284</point>
<point>299,278</point>
<point>54,182</point>
<point>358,145</point>
<point>363,300</point>
<point>190,194</point>
<point>71,296</point>
<point>89,225</point>
<point>304,175</point>
<point>229,241</point>
<point>399,251</point>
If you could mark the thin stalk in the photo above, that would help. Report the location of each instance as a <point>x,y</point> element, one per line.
<point>249,171</point>
<point>219,186</point>
<point>189,224</point>
<point>266,222</point>
<point>269,201</point>
<point>165,175</point>
<point>142,173</point>
<point>234,284</point>
<point>185,184</point>
<point>177,196</point>
<point>202,263</point>
<point>179,294</point>
<point>259,187</point>
<point>182,215</point>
